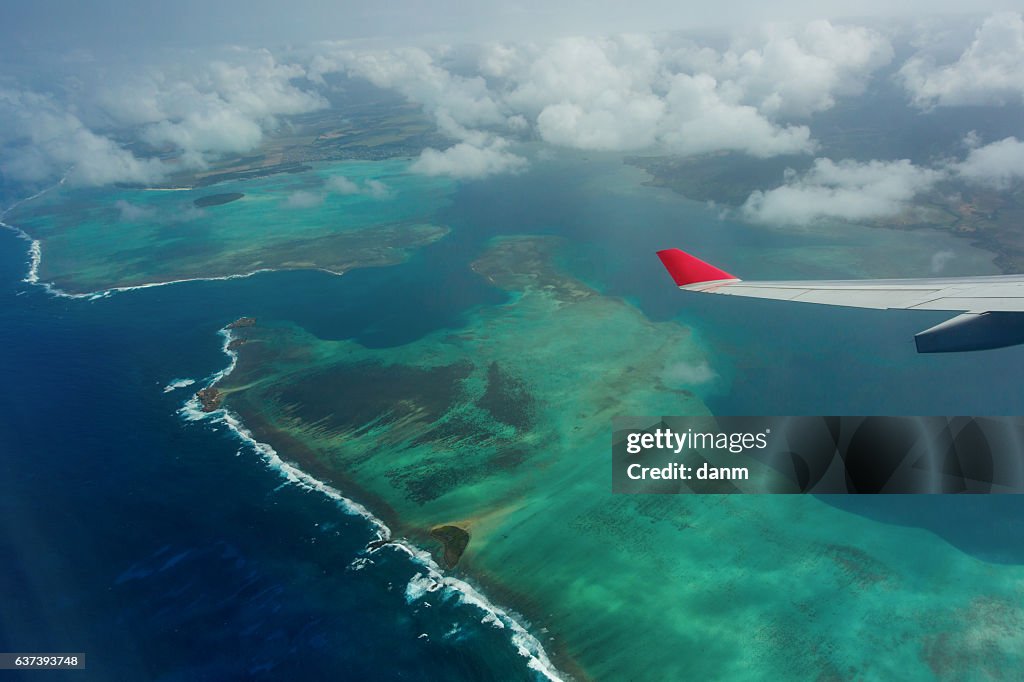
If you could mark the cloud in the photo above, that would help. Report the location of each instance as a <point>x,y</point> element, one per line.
<point>989,71</point>
<point>997,165</point>
<point>940,259</point>
<point>43,141</point>
<point>466,160</point>
<point>198,112</point>
<point>131,213</point>
<point>339,184</point>
<point>623,93</point>
<point>851,190</point>
<point>464,101</point>
<point>847,190</point>
<point>794,70</point>
<point>303,199</point>
<point>377,189</point>
<point>217,108</point>
<point>587,93</point>
<point>342,185</point>
<point>705,122</point>
<point>462,106</point>
<point>631,92</point>
<point>684,374</point>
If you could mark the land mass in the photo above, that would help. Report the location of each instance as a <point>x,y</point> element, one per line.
<point>209,398</point>
<point>454,540</point>
<point>129,237</point>
<point>217,199</point>
<point>991,219</point>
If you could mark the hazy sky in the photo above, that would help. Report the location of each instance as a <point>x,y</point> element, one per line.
<point>91,92</point>
<point>118,24</point>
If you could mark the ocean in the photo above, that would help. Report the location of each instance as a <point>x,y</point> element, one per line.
<point>169,551</point>
<point>166,549</point>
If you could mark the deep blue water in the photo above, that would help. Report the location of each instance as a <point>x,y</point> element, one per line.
<point>162,549</point>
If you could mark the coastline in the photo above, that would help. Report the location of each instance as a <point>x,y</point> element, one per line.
<point>35,249</point>
<point>99,251</point>
<point>35,252</point>
<point>432,579</point>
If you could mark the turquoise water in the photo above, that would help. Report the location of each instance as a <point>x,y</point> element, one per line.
<point>97,239</point>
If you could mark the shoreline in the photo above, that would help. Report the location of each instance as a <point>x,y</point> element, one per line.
<point>35,252</point>
<point>432,579</point>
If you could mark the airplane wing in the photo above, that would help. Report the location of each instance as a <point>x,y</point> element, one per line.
<point>992,306</point>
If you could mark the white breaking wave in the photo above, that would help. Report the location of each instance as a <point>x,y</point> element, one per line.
<point>33,277</point>
<point>178,383</point>
<point>419,585</point>
<point>116,290</point>
<point>359,563</point>
<point>431,580</point>
<point>35,250</point>
<point>35,254</point>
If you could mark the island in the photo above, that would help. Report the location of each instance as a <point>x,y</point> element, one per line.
<point>181,240</point>
<point>454,540</point>
<point>217,199</point>
<point>209,398</point>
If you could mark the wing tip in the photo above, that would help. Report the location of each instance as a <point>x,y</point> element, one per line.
<point>686,269</point>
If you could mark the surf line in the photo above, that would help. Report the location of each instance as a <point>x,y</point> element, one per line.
<point>433,579</point>
<point>35,258</point>
<point>35,251</point>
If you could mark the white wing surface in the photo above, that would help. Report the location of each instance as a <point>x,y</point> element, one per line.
<point>994,305</point>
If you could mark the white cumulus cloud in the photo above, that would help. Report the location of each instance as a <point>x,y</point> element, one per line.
<point>989,71</point>
<point>996,165</point>
<point>413,72</point>
<point>339,184</point>
<point>342,185</point>
<point>221,107</point>
<point>685,374</point>
<point>196,111</point>
<point>43,140</point>
<point>467,160</point>
<point>702,121</point>
<point>847,190</point>
<point>795,70</point>
<point>132,213</point>
<point>631,92</point>
<point>303,199</point>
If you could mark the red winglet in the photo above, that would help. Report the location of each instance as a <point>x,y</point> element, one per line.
<point>686,269</point>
